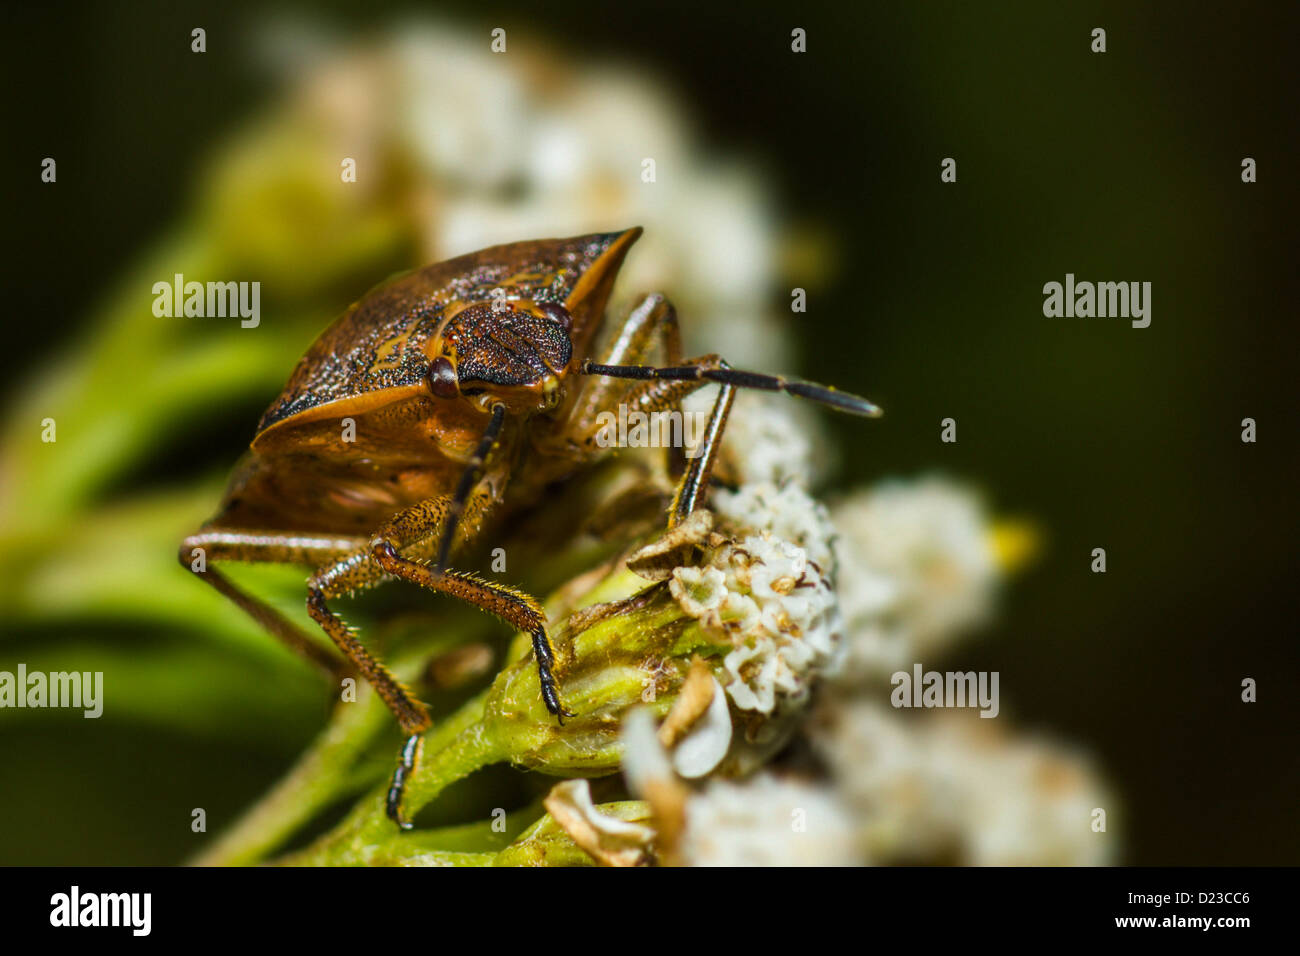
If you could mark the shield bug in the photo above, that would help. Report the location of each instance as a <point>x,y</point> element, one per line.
<point>470,388</point>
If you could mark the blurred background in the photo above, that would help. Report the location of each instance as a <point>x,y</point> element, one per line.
<point>774,170</point>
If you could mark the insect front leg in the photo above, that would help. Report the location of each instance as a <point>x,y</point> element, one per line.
<point>651,325</point>
<point>666,395</point>
<point>400,549</point>
<point>653,322</point>
<point>509,604</point>
<point>358,571</point>
<point>396,549</point>
<point>666,386</point>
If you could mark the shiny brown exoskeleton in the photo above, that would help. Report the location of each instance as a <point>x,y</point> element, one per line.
<point>468,386</point>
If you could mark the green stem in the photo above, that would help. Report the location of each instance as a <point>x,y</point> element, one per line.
<point>316,780</point>
<point>452,751</point>
<point>444,858</point>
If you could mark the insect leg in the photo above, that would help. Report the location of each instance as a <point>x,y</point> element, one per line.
<point>261,547</point>
<point>654,320</point>
<point>511,605</point>
<point>694,483</point>
<point>652,323</point>
<point>414,529</point>
<point>396,550</point>
<point>665,387</point>
<point>349,568</point>
<point>356,571</point>
<point>468,479</point>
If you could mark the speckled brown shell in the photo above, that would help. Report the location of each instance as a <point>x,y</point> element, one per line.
<point>380,343</point>
<point>299,476</point>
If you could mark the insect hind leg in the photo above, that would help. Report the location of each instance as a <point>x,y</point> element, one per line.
<point>200,550</point>
<point>346,567</point>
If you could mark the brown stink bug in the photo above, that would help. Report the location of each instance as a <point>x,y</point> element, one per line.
<point>470,389</point>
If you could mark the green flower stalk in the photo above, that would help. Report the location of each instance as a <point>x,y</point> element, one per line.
<point>631,645</point>
<point>615,655</point>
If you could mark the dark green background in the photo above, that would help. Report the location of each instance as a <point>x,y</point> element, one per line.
<point>1122,166</point>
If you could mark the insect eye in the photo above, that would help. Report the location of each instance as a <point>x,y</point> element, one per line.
<point>557,313</point>
<point>442,378</point>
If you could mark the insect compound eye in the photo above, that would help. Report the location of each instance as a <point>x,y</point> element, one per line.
<point>442,378</point>
<point>557,313</point>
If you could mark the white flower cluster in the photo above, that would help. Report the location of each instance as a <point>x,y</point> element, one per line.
<point>787,512</point>
<point>546,144</point>
<point>917,566</point>
<point>484,148</point>
<point>767,821</point>
<point>770,439</point>
<point>767,595</point>
<point>951,788</point>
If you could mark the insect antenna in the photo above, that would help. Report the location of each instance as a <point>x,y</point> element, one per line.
<point>713,369</point>
<point>468,479</point>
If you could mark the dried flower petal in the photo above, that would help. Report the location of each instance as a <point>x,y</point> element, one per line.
<point>607,839</point>
<point>707,742</point>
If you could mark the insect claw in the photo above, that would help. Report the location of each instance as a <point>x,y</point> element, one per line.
<point>551,696</point>
<point>393,807</point>
<point>405,767</point>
